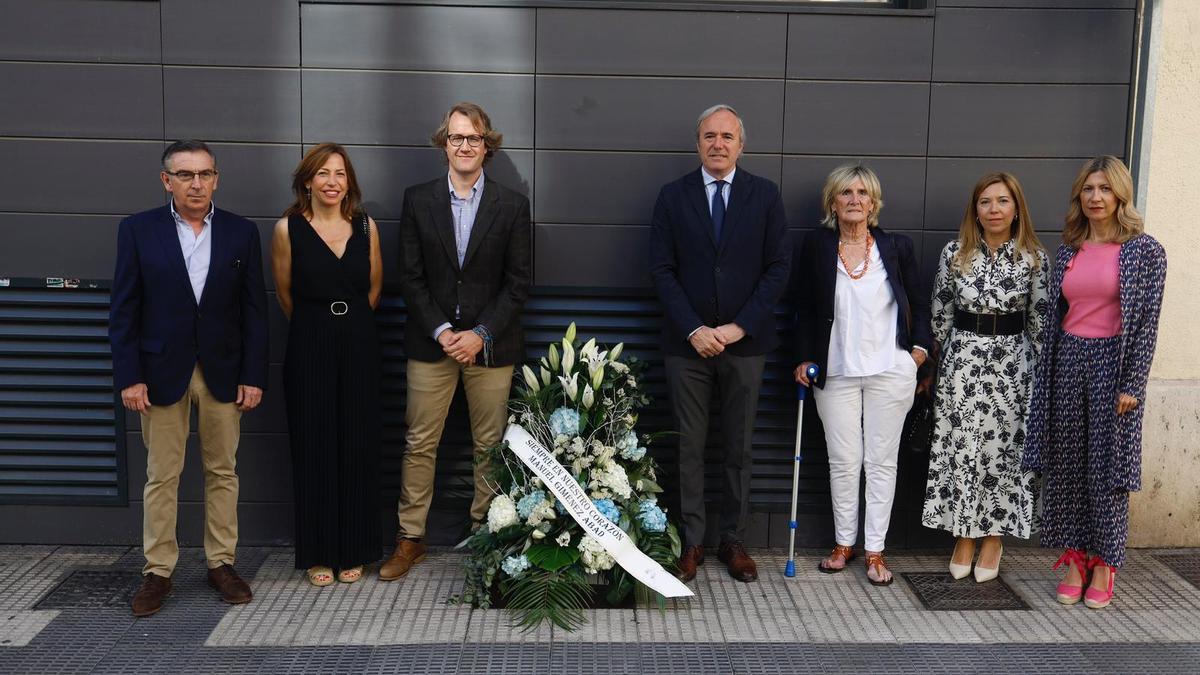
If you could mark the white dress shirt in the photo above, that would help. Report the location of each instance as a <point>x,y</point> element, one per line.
<point>197,248</point>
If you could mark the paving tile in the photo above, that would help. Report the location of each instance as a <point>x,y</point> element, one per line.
<point>491,626</point>
<point>18,628</point>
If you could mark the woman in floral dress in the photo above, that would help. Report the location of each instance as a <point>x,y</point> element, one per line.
<point>989,302</point>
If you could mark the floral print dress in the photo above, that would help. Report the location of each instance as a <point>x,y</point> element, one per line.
<point>976,486</point>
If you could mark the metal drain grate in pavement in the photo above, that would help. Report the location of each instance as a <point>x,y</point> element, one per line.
<point>939,591</point>
<point>1186,566</point>
<point>89,589</point>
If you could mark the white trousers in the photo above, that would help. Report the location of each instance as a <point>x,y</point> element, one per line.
<point>863,419</point>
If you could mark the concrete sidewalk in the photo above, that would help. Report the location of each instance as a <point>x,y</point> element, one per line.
<point>66,609</point>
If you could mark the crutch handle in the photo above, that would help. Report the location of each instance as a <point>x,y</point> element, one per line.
<point>811,372</point>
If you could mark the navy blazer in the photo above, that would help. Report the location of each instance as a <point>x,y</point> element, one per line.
<point>157,329</point>
<point>490,287</point>
<point>817,280</point>
<point>703,282</point>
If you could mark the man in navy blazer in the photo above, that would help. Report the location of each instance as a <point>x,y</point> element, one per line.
<point>720,262</point>
<point>188,326</point>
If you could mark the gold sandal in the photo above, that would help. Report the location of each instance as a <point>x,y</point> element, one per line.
<point>876,560</point>
<point>844,553</point>
<point>320,575</point>
<point>351,575</point>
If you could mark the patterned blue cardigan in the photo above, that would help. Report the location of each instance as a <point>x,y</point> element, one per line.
<point>1142,266</point>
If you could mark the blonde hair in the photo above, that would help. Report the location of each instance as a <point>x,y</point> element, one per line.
<point>841,178</point>
<point>1129,221</point>
<point>969,234</point>
<point>479,118</point>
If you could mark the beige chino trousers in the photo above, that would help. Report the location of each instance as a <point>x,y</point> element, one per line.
<point>165,432</point>
<point>431,388</point>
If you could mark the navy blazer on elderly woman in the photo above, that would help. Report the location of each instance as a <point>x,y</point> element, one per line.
<point>705,282</point>
<point>157,329</point>
<point>816,280</point>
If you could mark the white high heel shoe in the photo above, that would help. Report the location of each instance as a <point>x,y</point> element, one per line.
<point>983,574</point>
<point>959,571</point>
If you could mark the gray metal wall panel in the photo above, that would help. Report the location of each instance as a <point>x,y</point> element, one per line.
<point>232,104</point>
<point>404,108</point>
<point>1040,4</point>
<point>75,246</point>
<point>79,30</point>
<point>231,32</point>
<point>843,118</point>
<point>996,120</point>
<point>1046,183</point>
<point>886,47</point>
<point>104,177</point>
<point>634,42</point>
<point>592,255</point>
<point>1072,46</point>
<point>612,113</point>
<point>256,180</point>
<point>263,465</point>
<point>479,39</point>
<point>902,180</point>
<point>383,174</point>
<point>611,188</point>
<point>44,99</point>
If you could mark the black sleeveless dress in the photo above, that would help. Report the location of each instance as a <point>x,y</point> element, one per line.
<point>332,387</point>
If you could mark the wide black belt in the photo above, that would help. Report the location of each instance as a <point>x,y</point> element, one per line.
<point>990,324</point>
<point>334,307</point>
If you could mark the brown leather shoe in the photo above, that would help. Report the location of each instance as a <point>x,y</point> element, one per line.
<point>231,587</point>
<point>408,552</point>
<point>691,559</point>
<point>741,565</point>
<point>150,595</point>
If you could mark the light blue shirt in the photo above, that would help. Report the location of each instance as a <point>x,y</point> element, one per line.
<point>710,186</point>
<point>197,248</point>
<point>463,211</point>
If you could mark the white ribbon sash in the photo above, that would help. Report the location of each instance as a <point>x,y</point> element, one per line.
<point>543,463</point>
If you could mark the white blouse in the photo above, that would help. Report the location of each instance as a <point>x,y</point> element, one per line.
<point>863,339</point>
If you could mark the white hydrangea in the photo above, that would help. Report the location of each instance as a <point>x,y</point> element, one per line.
<point>619,367</point>
<point>613,477</point>
<point>593,555</point>
<point>541,513</point>
<point>502,513</point>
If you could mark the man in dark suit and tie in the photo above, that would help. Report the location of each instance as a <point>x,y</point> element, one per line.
<point>720,262</point>
<point>465,269</point>
<point>188,326</point>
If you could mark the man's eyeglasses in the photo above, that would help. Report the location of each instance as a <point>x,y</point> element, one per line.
<point>205,176</point>
<point>473,140</point>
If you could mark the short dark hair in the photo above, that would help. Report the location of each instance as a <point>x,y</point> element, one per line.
<point>189,145</point>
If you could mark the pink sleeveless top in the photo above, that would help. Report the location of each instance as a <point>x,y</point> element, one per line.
<point>1092,287</point>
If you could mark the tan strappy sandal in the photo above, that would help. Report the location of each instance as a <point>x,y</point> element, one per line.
<point>351,575</point>
<point>320,575</point>
<point>876,560</point>
<point>843,553</point>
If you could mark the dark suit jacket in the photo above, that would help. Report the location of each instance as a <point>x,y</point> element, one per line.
<point>157,329</point>
<point>703,282</point>
<point>491,286</point>
<point>816,281</point>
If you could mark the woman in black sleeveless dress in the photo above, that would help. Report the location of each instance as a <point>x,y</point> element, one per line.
<point>328,276</point>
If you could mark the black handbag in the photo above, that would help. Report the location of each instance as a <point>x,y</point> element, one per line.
<point>917,436</point>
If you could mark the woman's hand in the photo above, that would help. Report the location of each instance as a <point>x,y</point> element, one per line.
<point>801,375</point>
<point>1125,403</point>
<point>919,356</point>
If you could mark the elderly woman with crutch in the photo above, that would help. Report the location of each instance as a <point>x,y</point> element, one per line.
<point>1085,418</point>
<point>863,319</point>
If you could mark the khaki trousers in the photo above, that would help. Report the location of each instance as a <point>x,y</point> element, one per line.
<point>431,387</point>
<point>165,432</point>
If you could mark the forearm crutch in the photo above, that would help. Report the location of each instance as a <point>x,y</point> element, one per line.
<point>801,393</point>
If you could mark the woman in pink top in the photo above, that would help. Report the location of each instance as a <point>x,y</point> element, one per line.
<point>1085,420</point>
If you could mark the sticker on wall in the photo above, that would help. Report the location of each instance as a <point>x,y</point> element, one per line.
<point>54,282</point>
<point>5,282</point>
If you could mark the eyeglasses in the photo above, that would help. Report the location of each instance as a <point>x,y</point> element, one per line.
<point>205,176</point>
<point>473,140</point>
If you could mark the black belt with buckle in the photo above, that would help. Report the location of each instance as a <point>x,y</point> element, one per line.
<point>336,307</point>
<point>990,324</point>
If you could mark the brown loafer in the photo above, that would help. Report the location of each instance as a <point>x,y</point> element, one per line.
<point>408,552</point>
<point>691,559</point>
<point>231,587</point>
<point>150,595</point>
<point>741,566</point>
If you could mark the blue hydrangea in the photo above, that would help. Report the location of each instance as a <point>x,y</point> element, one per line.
<point>529,502</point>
<point>634,454</point>
<point>651,517</point>
<point>627,442</point>
<point>513,566</point>
<point>608,508</point>
<point>565,422</point>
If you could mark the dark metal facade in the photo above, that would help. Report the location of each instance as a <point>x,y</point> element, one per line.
<point>597,102</point>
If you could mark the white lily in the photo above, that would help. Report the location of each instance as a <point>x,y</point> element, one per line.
<point>588,349</point>
<point>545,377</point>
<point>597,375</point>
<point>570,336</point>
<point>530,379</point>
<point>570,385</point>
<point>553,356</point>
<point>616,351</point>
<point>568,357</point>
<point>589,396</point>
